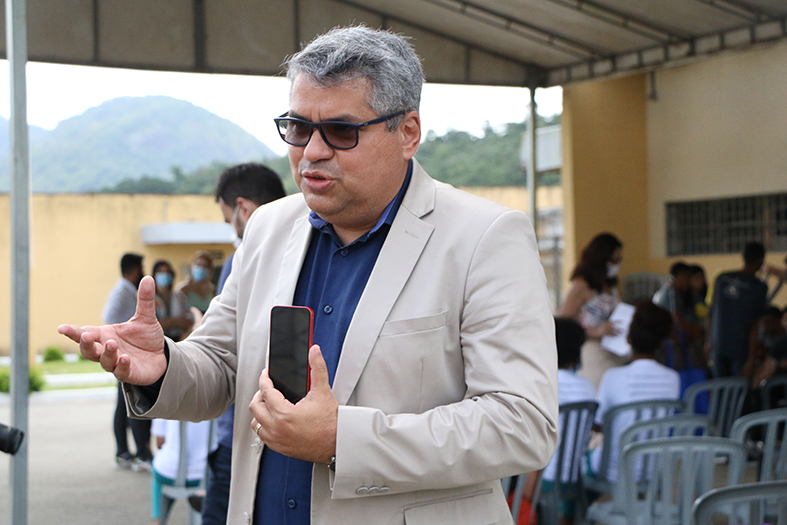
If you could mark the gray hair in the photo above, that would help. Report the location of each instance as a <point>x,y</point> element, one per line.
<point>383,58</point>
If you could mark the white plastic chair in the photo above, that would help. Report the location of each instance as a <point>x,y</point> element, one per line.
<point>773,423</point>
<point>614,423</point>
<point>575,423</point>
<point>641,285</point>
<point>179,490</point>
<point>774,385</point>
<point>760,498</point>
<point>726,396</point>
<point>682,469</point>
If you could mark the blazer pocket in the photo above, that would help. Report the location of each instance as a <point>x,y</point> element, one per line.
<point>473,509</point>
<point>418,324</point>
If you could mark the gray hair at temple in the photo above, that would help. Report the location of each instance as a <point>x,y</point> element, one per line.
<point>384,58</point>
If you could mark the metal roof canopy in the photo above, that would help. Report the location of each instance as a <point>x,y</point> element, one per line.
<point>494,42</point>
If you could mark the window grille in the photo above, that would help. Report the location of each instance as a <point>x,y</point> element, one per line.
<point>726,225</point>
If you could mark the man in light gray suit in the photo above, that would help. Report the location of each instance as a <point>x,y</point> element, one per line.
<point>434,369</point>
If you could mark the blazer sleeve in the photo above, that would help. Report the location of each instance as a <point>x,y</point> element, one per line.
<point>506,423</point>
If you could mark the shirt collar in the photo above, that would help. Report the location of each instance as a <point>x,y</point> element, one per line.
<point>387,216</point>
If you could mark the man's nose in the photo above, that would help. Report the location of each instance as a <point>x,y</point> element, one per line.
<point>317,149</point>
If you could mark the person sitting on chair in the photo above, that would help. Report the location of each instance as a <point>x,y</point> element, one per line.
<point>644,379</point>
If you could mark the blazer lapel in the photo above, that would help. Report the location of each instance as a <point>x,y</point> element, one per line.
<point>291,262</point>
<point>402,249</point>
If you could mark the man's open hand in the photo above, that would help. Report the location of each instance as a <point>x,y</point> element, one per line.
<point>133,351</point>
<point>306,430</point>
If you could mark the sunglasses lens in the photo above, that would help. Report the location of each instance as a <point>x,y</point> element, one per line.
<point>340,136</point>
<point>294,132</point>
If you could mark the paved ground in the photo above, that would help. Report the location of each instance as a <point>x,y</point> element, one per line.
<point>72,477</point>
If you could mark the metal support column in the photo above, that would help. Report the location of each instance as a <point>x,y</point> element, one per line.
<point>16,44</point>
<point>530,139</point>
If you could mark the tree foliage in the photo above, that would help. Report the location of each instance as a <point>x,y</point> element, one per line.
<point>457,158</point>
<point>462,159</point>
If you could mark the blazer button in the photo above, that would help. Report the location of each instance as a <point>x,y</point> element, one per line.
<point>383,490</point>
<point>247,517</point>
<point>362,491</point>
<point>373,490</point>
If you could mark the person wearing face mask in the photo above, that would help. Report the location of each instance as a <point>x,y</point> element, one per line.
<point>198,288</point>
<point>172,311</point>
<point>590,301</point>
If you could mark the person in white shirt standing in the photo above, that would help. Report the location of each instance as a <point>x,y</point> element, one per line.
<point>121,306</point>
<point>644,379</point>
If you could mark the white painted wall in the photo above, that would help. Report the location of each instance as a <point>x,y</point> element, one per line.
<point>717,129</point>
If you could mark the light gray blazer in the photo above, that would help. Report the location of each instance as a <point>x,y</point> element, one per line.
<point>447,380</point>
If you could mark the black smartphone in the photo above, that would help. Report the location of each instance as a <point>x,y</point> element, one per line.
<point>288,357</point>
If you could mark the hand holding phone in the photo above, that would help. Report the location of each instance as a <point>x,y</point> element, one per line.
<point>291,334</point>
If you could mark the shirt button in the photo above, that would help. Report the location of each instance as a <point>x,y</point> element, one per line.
<point>344,252</point>
<point>292,503</point>
<point>328,309</point>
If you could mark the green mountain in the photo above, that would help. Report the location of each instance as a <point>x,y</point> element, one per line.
<point>130,138</point>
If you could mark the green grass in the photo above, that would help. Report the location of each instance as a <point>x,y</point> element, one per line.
<point>61,367</point>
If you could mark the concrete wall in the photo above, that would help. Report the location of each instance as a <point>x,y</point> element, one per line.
<point>605,169</point>
<point>77,242</point>
<point>76,245</point>
<point>716,129</point>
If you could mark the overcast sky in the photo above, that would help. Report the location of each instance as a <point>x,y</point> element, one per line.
<point>57,92</point>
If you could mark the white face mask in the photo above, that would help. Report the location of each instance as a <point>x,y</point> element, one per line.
<point>612,270</point>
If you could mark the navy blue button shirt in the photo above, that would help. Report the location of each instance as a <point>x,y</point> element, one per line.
<point>331,282</point>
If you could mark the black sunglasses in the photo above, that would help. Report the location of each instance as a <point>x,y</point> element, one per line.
<point>336,134</point>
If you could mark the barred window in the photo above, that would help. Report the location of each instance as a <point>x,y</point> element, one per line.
<point>726,225</point>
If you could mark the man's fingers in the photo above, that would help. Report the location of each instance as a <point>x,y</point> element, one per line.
<point>88,346</point>
<point>70,331</point>
<point>319,371</point>
<point>109,357</point>
<point>122,370</point>
<point>146,299</point>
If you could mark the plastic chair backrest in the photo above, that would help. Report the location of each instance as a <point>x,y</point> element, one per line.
<point>757,496</point>
<point>179,490</point>
<point>641,285</point>
<point>683,469</point>
<point>575,422</point>
<point>614,423</point>
<point>726,400</point>
<point>773,385</point>
<point>773,463</point>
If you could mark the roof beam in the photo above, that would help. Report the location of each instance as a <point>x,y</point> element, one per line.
<point>534,71</point>
<point>738,9</point>
<point>622,20</point>
<point>520,28</point>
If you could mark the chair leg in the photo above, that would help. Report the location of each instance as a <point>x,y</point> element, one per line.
<point>195,518</point>
<point>166,507</point>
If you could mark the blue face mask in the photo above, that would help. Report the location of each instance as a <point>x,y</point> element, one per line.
<point>163,279</point>
<point>199,273</point>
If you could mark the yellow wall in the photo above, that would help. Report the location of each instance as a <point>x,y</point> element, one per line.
<point>77,242</point>
<point>76,245</point>
<point>605,170</point>
<point>716,129</point>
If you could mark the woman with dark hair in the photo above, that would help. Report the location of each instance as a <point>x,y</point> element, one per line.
<point>591,299</point>
<point>198,288</point>
<point>171,310</point>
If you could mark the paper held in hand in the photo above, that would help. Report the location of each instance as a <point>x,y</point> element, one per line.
<point>621,319</point>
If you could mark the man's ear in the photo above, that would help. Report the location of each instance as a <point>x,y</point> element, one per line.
<point>246,207</point>
<point>410,128</point>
